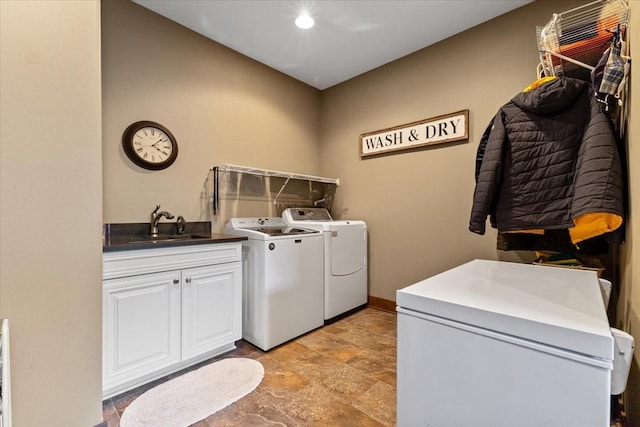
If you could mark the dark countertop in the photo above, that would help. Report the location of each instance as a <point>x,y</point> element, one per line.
<point>134,236</point>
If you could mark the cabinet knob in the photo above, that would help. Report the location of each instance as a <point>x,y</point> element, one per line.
<point>188,280</point>
<point>176,281</point>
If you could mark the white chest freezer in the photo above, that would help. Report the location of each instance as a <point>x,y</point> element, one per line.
<point>492,343</point>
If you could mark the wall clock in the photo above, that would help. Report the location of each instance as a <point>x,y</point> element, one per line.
<point>150,145</point>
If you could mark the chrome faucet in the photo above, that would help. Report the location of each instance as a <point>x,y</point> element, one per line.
<point>155,219</point>
<point>180,224</point>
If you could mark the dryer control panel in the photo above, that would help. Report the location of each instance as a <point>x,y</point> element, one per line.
<point>306,214</point>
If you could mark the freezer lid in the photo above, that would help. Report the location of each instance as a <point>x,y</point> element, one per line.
<point>553,306</point>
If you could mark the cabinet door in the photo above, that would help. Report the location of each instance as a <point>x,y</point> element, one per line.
<point>211,307</point>
<point>141,326</point>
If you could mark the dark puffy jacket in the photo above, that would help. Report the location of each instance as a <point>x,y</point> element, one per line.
<point>549,160</point>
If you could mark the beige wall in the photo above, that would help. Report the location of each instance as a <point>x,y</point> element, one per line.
<point>417,203</point>
<point>629,302</point>
<point>226,108</point>
<point>51,209</point>
<point>221,106</point>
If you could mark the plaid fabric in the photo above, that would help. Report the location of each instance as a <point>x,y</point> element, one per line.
<point>613,72</point>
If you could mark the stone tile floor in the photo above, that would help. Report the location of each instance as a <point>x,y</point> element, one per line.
<point>343,374</point>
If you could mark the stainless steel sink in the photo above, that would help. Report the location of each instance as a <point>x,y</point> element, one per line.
<point>168,238</point>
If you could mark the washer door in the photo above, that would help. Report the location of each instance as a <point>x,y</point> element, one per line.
<point>348,248</point>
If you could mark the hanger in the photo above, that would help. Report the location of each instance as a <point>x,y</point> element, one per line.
<point>579,36</point>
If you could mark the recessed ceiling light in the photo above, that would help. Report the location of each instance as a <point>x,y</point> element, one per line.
<point>304,22</point>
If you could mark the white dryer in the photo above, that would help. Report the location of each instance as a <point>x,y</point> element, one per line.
<point>282,280</point>
<point>345,258</point>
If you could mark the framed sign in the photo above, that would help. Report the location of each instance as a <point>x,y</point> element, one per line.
<point>437,130</point>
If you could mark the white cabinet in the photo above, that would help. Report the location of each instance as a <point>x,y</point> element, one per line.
<point>142,325</point>
<point>165,309</point>
<point>211,308</point>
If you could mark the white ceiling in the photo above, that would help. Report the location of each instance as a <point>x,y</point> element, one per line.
<point>349,38</point>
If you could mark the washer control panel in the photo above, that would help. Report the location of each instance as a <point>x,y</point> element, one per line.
<point>306,214</point>
<point>236,223</point>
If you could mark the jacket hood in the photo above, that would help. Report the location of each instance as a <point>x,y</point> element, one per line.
<point>550,97</point>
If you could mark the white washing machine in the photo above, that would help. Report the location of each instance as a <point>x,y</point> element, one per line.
<point>282,280</point>
<point>345,258</point>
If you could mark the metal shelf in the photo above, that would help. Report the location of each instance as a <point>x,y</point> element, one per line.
<point>262,172</point>
<point>268,172</point>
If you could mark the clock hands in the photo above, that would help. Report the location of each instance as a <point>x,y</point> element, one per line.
<point>154,146</point>
<point>157,142</point>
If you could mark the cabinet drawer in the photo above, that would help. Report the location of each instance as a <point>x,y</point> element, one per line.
<point>143,261</point>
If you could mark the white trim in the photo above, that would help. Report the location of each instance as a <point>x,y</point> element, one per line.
<point>5,413</point>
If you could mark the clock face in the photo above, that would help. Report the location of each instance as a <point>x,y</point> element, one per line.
<point>152,144</point>
<point>149,145</point>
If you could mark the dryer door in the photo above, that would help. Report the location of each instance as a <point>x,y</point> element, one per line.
<point>348,248</point>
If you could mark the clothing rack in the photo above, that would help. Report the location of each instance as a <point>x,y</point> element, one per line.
<point>578,37</point>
